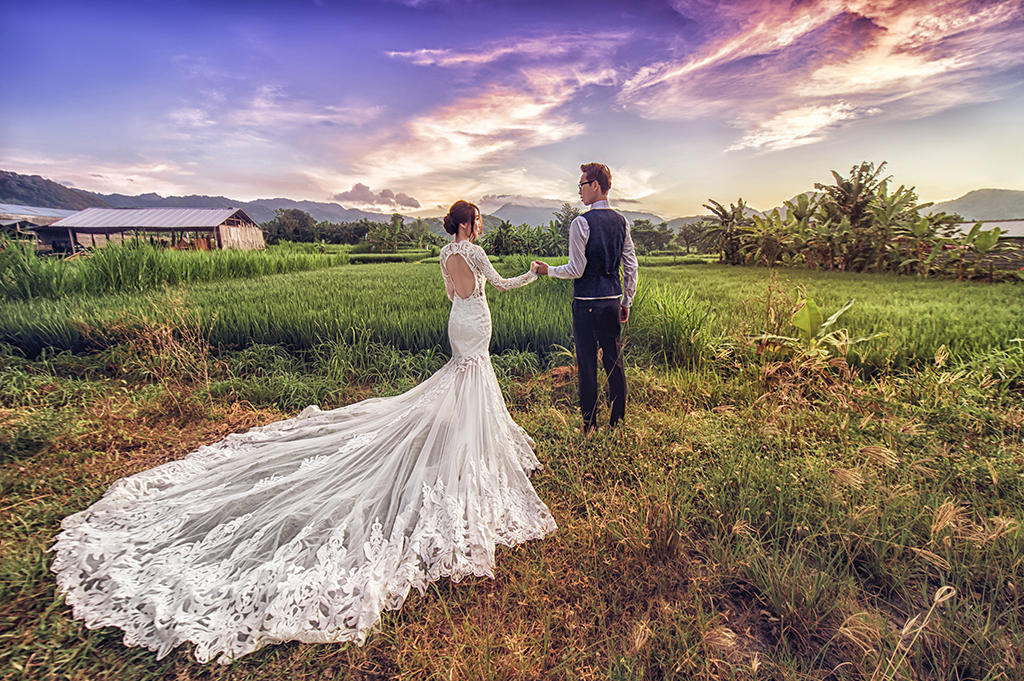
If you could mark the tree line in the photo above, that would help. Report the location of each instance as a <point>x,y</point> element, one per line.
<point>293,224</point>
<point>858,223</point>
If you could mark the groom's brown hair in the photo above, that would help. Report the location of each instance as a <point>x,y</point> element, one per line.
<point>599,172</point>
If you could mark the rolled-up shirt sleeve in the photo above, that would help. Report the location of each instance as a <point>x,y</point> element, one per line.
<point>579,234</point>
<point>629,269</point>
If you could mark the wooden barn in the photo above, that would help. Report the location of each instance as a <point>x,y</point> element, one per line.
<point>181,228</point>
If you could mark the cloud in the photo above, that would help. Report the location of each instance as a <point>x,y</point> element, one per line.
<point>791,74</point>
<point>363,195</point>
<point>271,107</point>
<point>547,47</point>
<point>105,177</point>
<point>473,145</point>
<point>189,117</point>
<point>269,115</point>
<point>472,130</point>
<point>796,127</point>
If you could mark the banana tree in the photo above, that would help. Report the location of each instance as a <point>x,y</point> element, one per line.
<point>986,246</point>
<point>724,233</point>
<point>815,337</point>
<point>765,238</point>
<point>889,213</point>
<point>920,245</point>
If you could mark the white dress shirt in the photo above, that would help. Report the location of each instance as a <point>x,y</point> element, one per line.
<point>579,234</point>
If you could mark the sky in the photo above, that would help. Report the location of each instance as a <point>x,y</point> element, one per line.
<point>410,105</point>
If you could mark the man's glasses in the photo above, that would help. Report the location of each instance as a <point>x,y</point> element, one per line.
<point>587,182</point>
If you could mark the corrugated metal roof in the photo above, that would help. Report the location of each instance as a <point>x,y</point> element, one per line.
<point>1008,228</point>
<point>128,218</point>
<point>34,211</point>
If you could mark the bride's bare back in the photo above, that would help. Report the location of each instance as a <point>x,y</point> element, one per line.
<point>461,275</point>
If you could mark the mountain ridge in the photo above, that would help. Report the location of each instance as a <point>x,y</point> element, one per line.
<point>985,204</point>
<point>35,190</point>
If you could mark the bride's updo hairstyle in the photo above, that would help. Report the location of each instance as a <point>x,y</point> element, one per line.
<point>460,212</point>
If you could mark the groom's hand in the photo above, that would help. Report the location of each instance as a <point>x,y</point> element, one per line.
<point>540,267</point>
<point>623,315</point>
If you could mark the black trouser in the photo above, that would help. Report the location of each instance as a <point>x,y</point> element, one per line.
<point>595,323</point>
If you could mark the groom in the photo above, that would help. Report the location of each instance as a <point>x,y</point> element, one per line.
<point>599,241</point>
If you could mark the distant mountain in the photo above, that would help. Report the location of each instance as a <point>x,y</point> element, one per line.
<point>260,210</point>
<point>527,210</point>
<point>633,216</point>
<point>985,204</point>
<point>34,190</point>
<point>489,204</point>
<point>676,223</point>
<point>331,212</point>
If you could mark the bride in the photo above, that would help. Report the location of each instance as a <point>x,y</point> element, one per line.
<point>308,528</point>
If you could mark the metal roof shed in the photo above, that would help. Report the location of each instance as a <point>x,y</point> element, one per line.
<point>228,227</point>
<point>36,215</point>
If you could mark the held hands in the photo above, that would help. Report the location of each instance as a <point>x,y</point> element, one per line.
<point>623,315</point>
<point>539,267</point>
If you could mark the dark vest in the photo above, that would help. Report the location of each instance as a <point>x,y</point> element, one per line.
<point>604,254</point>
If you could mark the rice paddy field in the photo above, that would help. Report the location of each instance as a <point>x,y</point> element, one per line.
<point>27,276</point>
<point>760,515</point>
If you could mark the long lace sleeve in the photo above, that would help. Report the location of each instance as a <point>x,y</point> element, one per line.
<point>478,261</point>
<point>449,285</point>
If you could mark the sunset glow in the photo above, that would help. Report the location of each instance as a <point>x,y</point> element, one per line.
<point>410,105</point>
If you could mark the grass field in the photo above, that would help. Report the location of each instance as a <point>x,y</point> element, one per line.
<point>690,308</point>
<point>118,269</point>
<point>755,518</point>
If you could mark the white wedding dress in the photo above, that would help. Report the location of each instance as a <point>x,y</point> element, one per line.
<point>307,529</point>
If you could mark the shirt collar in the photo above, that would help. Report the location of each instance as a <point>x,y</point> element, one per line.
<point>603,203</point>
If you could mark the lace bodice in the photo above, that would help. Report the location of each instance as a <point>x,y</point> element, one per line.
<point>482,270</point>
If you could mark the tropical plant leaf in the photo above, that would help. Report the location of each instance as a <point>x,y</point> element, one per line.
<point>807,318</point>
<point>835,315</point>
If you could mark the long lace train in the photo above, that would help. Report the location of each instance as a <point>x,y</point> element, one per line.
<point>307,529</point>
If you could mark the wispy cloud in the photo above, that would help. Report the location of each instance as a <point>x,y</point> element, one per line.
<point>577,46</point>
<point>788,75</point>
<point>105,177</point>
<point>272,110</point>
<point>474,143</point>
<point>796,127</point>
<point>471,133</point>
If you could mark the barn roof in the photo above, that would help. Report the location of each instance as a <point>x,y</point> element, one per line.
<point>150,218</point>
<point>16,210</point>
<point>1013,229</point>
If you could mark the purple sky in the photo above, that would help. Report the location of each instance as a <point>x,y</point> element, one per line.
<point>411,105</point>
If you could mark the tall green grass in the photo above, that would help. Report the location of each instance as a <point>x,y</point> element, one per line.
<point>26,276</point>
<point>681,317</point>
<point>917,315</point>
